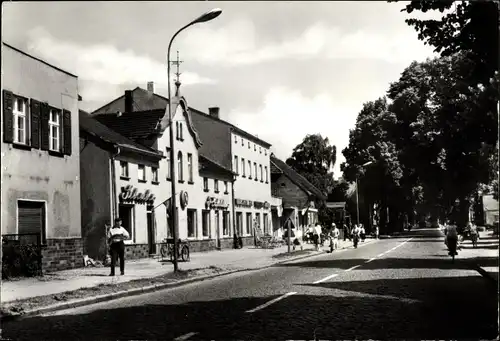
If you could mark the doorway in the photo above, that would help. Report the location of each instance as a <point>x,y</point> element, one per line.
<point>217,231</point>
<point>151,231</point>
<point>125,213</point>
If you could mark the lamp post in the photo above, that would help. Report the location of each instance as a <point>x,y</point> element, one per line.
<point>203,18</point>
<point>357,191</point>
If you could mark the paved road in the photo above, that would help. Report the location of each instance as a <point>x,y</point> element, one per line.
<point>400,288</point>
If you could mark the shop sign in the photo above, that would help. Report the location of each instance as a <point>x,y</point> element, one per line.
<point>215,203</point>
<point>243,203</point>
<point>259,204</point>
<point>184,199</point>
<point>131,194</point>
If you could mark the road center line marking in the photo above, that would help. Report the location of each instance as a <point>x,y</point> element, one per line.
<point>325,279</point>
<point>185,336</point>
<point>370,260</point>
<point>381,254</point>
<point>354,267</point>
<point>271,302</point>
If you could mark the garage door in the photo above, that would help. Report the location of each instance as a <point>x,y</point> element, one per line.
<point>31,219</point>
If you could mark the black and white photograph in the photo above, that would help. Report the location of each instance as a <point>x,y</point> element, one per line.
<point>250,170</point>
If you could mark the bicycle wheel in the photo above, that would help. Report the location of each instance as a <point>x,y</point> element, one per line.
<point>164,251</point>
<point>185,253</point>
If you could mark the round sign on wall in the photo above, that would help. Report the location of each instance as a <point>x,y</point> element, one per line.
<point>184,198</point>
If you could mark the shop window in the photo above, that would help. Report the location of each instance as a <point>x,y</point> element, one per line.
<point>126,214</point>
<point>205,184</point>
<point>226,191</point>
<point>249,169</point>
<point>141,173</point>
<point>190,167</point>
<point>249,223</point>
<point>31,219</point>
<point>226,231</point>
<point>21,118</point>
<point>154,175</point>
<point>55,132</point>
<point>266,224</point>
<point>216,186</point>
<point>124,169</point>
<point>192,223</point>
<point>235,169</point>
<point>255,170</point>
<point>180,167</point>
<point>167,157</point>
<point>205,223</point>
<point>243,167</point>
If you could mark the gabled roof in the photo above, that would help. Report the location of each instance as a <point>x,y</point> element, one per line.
<point>136,126</point>
<point>275,170</point>
<point>205,164</point>
<point>143,100</point>
<point>95,128</point>
<point>296,178</point>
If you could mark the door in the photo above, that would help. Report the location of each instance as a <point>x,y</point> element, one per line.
<point>217,229</point>
<point>151,232</point>
<point>125,214</point>
<point>31,220</point>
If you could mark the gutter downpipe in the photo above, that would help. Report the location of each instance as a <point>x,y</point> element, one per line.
<point>114,201</point>
<point>234,203</point>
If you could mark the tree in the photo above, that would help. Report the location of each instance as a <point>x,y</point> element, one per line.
<point>470,27</point>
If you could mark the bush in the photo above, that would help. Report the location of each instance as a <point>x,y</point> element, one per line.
<point>20,260</point>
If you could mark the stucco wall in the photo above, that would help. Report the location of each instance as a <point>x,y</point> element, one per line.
<point>95,199</point>
<point>34,174</point>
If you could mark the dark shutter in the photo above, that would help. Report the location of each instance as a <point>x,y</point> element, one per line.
<point>31,219</point>
<point>8,119</point>
<point>67,132</point>
<point>35,123</point>
<point>44,125</point>
<point>28,124</point>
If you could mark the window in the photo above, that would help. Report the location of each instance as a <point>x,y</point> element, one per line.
<point>254,147</point>
<point>141,173</point>
<point>225,188</point>
<point>239,223</point>
<point>242,142</point>
<point>55,130</point>
<point>205,184</point>
<point>260,150</point>
<point>248,144</point>
<point>20,113</point>
<point>255,169</point>
<point>216,186</point>
<point>180,166</point>
<point>181,132</point>
<point>266,224</point>
<point>205,223</point>
<point>249,223</point>
<point>177,130</point>
<point>154,174</point>
<point>31,219</point>
<point>236,165</point>
<point>123,169</point>
<point>243,166</point>
<point>265,167</point>
<point>192,223</point>
<point>235,139</point>
<point>265,151</point>
<point>261,177</point>
<point>249,169</point>
<point>125,213</point>
<point>168,164</point>
<point>190,167</point>
<point>225,224</point>
<point>257,219</point>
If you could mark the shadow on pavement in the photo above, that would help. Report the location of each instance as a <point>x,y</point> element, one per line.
<point>394,263</point>
<point>341,310</point>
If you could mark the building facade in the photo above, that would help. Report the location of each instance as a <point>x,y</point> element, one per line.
<point>40,157</point>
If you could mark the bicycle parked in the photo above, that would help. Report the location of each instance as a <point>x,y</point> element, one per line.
<point>167,250</point>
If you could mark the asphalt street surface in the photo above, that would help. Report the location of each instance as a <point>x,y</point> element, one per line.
<point>398,288</point>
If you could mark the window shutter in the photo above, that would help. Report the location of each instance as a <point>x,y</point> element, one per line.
<point>44,124</point>
<point>35,123</point>
<point>67,132</point>
<point>8,119</point>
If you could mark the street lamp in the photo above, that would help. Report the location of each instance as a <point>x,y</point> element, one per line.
<point>214,13</point>
<point>357,190</point>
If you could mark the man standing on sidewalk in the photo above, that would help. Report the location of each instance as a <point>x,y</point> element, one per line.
<point>116,235</point>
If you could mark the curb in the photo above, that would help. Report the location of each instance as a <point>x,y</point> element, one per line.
<point>485,274</point>
<point>142,290</point>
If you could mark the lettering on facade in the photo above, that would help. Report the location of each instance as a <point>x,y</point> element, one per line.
<point>216,203</point>
<point>131,194</point>
<point>243,203</point>
<point>259,204</point>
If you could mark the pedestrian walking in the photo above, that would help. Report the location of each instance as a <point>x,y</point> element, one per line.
<point>362,233</point>
<point>334,242</point>
<point>317,236</point>
<point>355,235</point>
<point>116,235</point>
<point>376,231</point>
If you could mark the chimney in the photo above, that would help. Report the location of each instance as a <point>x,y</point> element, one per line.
<point>128,101</point>
<point>151,87</point>
<point>214,112</point>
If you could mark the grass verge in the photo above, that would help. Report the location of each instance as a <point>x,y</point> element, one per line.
<point>285,255</point>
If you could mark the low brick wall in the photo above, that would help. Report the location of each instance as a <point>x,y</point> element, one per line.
<point>136,251</point>
<point>248,241</point>
<point>62,254</point>
<point>226,243</point>
<point>202,245</point>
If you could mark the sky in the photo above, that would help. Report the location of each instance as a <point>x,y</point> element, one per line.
<point>279,70</point>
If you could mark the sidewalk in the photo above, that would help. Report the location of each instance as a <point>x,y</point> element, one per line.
<point>485,256</point>
<point>228,260</point>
